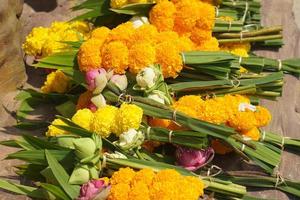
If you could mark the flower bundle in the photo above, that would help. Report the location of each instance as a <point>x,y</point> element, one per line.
<point>145,105</point>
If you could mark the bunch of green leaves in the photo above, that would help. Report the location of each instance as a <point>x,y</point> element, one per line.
<point>263,154</point>
<point>267,86</point>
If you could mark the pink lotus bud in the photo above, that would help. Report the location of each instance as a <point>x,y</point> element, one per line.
<point>91,189</point>
<point>91,75</point>
<point>92,107</point>
<point>120,81</point>
<point>193,159</point>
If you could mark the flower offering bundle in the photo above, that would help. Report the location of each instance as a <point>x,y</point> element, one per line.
<point>147,93</point>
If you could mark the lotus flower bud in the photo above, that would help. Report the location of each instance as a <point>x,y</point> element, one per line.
<point>193,159</point>
<point>84,147</point>
<point>138,21</point>
<point>66,141</point>
<point>93,189</point>
<point>80,175</point>
<point>130,139</point>
<point>100,82</point>
<point>99,101</point>
<point>120,81</point>
<point>146,78</point>
<point>159,96</point>
<point>91,75</point>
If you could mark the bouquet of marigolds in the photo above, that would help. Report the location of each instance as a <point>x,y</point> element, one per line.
<point>147,93</point>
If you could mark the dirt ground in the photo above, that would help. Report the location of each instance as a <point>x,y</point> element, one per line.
<point>286,112</point>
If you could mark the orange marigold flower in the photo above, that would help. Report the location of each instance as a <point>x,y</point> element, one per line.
<point>212,110</point>
<point>119,192</point>
<point>185,44</point>
<point>139,191</point>
<point>263,116</point>
<point>145,175</point>
<point>186,15</point>
<point>84,100</point>
<point>124,175</point>
<point>209,45</point>
<point>206,18</point>
<point>122,33</point>
<point>220,148</point>
<point>199,36</point>
<point>167,175</point>
<point>168,56</point>
<point>145,33</point>
<point>100,33</point>
<point>161,16</point>
<point>150,145</point>
<point>115,56</point>
<point>89,55</point>
<point>243,120</point>
<point>253,133</point>
<point>141,55</point>
<point>166,36</point>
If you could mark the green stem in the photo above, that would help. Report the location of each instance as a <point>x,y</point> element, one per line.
<point>250,39</point>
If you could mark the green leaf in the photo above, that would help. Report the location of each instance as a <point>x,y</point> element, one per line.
<point>61,176</point>
<point>39,143</point>
<point>31,125</point>
<point>22,189</point>
<point>65,60</point>
<point>38,156</point>
<point>134,9</point>
<point>66,109</point>
<point>55,190</point>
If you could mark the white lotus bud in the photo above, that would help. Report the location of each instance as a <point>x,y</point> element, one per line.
<point>157,98</point>
<point>120,81</point>
<point>99,101</point>
<point>130,139</point>
<point>100,82</point>
<point>146,78</point>
<point>138,21</point>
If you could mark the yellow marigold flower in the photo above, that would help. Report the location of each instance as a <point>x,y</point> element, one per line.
<point>80,26</point>
<point>145,175</point>
<point>192,192</point>
<point>115,56</point>
<point>128,116</point>
<point>168,56</point>
<point>104,120</point>
<point>84,100</point>
<point>162,16</point>
<point>220,147</point>
<point>141,55</point>
<point>57,26</point>
<point>145,33</point>
<point>185,44</point>
<point>239,49</point>
<point>119,192</point>
<point>118,3</point>
<point>209,45</point>
<point>243,120</point>
<point>35,41</point>
<point>89,55</point>
<point>53,45</point>
<point>83,118</point>
<point>54,131</point>
<point>212,110</point>
<point>263,116</point>
<point>253,133</point>
<point>122,32</point>
<point>100,33</point>
<point>124,175</point>
<point>186,15</point>
<point>56,82</point>
<point>189,105</point>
